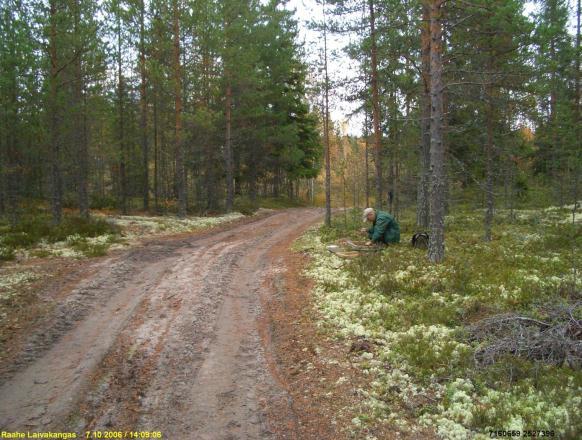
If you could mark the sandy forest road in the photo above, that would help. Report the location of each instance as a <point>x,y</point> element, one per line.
<point>171,342</point>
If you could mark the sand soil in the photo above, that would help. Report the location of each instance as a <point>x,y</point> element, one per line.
<point>171,336</point>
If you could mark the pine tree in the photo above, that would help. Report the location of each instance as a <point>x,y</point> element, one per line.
<point>436,247</point>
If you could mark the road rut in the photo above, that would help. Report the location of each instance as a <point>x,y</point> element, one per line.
<point>168,339</point>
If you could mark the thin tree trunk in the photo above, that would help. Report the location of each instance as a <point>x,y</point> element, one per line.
<point>122,145</point>
<point>392,142</point>
<point>555,152</point>
<point>326,128</point>
<point>180,170</point>
<point>489,196</point>
<point>375,106</point>
<point>163,164</point>
<point>54,119</point>
<point>277,182</point>
<point>511,191</point>
<point>423,205</point>
<point>79,135</point>
<point>253,178</point>
<point>577,97</point>
<point>367,163</point>
<point>144,108</point>
<point>355,199</point>
<point>446,190</point>
<point>577,75</point>
<point>156,154</point>
<point>228,147</point>
<point>9,161</point>
<point>436,249</point>
<point>228,156</point>
<point>506,184</point>
<point>11,167</point>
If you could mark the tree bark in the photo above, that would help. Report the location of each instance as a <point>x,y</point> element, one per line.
<point>375,106</point>
<point>144,108</point>
<point>10,163</point>
<point>326,127</point>
<point>436,248</point>
<point>423,205</point>
<point>277,181</point>
<point>79,134</point>
<point>489,196</point>
<point>156,154</point>
<point>228,146</point>
<point>555,153</point>
<point>392,145</point>
<point>577,97</point>
<point>121,115</point>
<point>228,156</point>
<point>54,119</point>
<point>180,169</point>
<point>577,75</point>
<point>367,166</point>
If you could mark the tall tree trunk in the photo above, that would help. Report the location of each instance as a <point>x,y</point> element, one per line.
<point>375,106</point>
<point>10,165</point>
<point>180,169</point>
<point>511,190</point>
<point>79,135</point>
<point>228,157</point>
<point>121,108</point>
<point>326,127</point>
<point>228,146</point>
<point>144,107</point>
<point>489,196</point>
<point>277,181</point>
<point>392,143</point>
<point>436,248</point>
<point>577,74</point>
<point>446,101</point>
<point>55,119</point>
<point>156,154</point>
<point>423,205</point>
<point>367,163</point>
<point>253,177</point>
<point>577,115</point>
<point>163,163</point>
<point>555,165</point>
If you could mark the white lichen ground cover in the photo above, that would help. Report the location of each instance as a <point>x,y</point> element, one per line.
<point>139,226</point>
<point>422,372</point>
<point>131,228</point>
<point>11,282</point>
<point>15,279</point>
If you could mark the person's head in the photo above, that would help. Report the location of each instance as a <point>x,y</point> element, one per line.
<point>369,215</point>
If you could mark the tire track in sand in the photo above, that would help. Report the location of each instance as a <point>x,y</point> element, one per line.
<point>189,363</point>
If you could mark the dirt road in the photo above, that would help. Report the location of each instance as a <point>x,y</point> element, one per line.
<point>166,337</point>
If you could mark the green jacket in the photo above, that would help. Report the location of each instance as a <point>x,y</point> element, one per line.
<point>385,229</point>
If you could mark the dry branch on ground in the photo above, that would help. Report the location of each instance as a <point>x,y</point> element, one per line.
<point>557,339</point>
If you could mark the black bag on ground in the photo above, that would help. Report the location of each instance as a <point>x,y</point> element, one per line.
<point>420,240</point>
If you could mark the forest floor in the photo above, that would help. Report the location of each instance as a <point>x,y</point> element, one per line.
<point>485,344</point>
<point>202,335</point>
<point>253,330</point>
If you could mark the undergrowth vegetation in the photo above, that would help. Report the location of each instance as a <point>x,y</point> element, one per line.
<point>425,324</point>
<point>35,236</point>
<point>246,206</point>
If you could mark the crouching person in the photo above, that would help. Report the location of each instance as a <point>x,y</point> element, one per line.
<point>384,230</point>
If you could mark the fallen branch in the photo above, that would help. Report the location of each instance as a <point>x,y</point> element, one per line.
<point>557,341</point>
